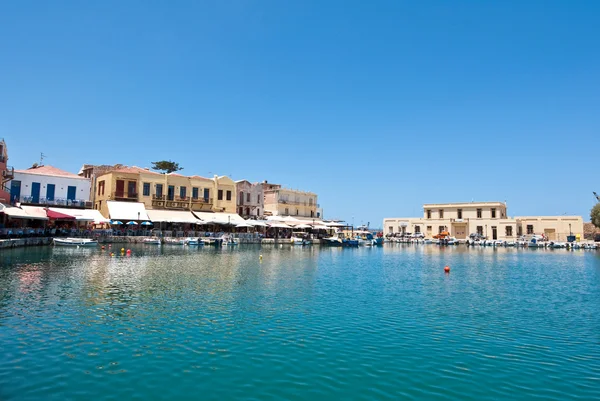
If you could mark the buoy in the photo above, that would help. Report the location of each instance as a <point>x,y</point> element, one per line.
<point>447,269</point>
<point>110,245</point>
<point>122,249</point>
<point>260,257</point>
<point>102,247</point>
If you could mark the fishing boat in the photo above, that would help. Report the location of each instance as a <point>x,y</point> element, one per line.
<point>194,242</point>
<point>75,242</point>
<point>151,241</point>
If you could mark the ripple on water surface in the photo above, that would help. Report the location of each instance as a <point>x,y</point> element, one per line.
<point>173,323</point>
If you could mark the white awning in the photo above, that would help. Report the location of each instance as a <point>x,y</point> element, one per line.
<point>83,214</point>
<point>220,218</point>
<point>127,211</point>
<point>172,216</point>
<point>35,212</point>
<point>18,213</point>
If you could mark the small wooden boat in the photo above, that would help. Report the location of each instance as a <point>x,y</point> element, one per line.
<point>75,242</point>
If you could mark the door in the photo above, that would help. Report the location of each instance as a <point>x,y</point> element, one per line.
<point>15,191</point>
<point>120,189</point>
<point>171,192</point>
<point>494,232</point>
<point>35,192</point>
<point>206,194</point>
<point>50,189</point>
<point>71,193</point>
<point>132,189</point>
<point>550,233</point>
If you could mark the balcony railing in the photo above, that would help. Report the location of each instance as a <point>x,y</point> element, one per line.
<point>125,195</point>
<point>202,200</point>
<point>79,203</point>
<point>8,174</point>
<point>289,202</point>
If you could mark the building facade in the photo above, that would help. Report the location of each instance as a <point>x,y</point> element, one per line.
<point>489,219</point>
<point>250,199</point>
<point>164,191</point>
<point>47,185</point>
<point>7,173</point>
<point>289,202</point>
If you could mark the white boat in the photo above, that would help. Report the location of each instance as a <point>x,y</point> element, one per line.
<point>75,242</point>
<point>557,245</point>
<point>228,240</point>
<point>300,238</point>
<point>175,241</point>
<point>152,241</point>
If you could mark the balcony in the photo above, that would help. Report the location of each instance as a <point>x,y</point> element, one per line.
<point>297,203</point>
<point>125,196</point>
<point>8,174</point>
<point>60,202</point>
<point>179,203</point>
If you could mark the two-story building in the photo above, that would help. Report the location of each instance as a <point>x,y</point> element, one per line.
<point>489,219</point>
<point>289,202</point>
<point>47,185</point>
<point>160,191</point>
<point>250,198</point>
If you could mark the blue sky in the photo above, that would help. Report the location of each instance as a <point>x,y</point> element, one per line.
<point>376,106</point>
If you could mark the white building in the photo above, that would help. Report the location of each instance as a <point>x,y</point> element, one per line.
<point>250,199</point>
<point>47,185</point>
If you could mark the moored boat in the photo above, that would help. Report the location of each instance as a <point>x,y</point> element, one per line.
<point>75,242</point>
<point>151,241</point>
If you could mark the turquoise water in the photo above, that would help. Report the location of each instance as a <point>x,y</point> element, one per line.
<point>303,323</point>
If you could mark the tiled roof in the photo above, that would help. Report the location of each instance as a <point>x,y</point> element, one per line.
<point>48,170</point>
<point>133,170</point>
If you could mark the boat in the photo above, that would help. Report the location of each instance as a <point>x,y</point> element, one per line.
<point>444,238</point>
<point>151,241</point>
<point>557,245</point>
<point>175,241</point>
<point>194,242</point>
<point>75,242</point>
<point>300,238</point>
<point>228,240</point>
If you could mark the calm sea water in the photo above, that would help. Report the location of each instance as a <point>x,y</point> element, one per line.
<point>310,323</point>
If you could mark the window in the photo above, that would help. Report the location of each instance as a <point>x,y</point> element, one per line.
<point>101,188</point>
<point>417,229</point>
<point>182,192</point>
<point>478,213</point>
<point>529,229</point>
<point>228,195</point>
<point>286,211</point>
<point>248,197</point>
<point>428,213</point>
<point>509,231</point>
<point>146,189</point>
<point>459,214</point>
<point>391,229</point>
<point>429,228</point>
<point>441,228</point>
<point>493,213</point>
<point>258,212</point>
<point>247,211</point>
<point>480,230</point>
<point>195,191</point>
<point>297,212</point>
<point>206,194</point>
<point>159,189</point>
<point>312,213</point>
<point>258,199</point>
<point>310,201</point>
<point>441,213</point>
<point>220,194</point>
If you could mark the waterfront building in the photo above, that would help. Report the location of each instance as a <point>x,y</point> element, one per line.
<point>250,199</point>
<point>92,171</point>
<point>47,185</point>
<point>289,202</point>
<point>489,219</point>
<point>7,173</point>
<point>160,191</point>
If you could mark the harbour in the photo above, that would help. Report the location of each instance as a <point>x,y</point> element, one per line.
<point>292,322</point>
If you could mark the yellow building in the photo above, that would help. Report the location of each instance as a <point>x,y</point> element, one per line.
<point>164,191</point>
<point>489,219</point>
<point>289,202</point>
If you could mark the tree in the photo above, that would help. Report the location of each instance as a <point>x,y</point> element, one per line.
<point>166,166</point>
<point>595,215</point>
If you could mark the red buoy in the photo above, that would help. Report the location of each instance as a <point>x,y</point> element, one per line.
<point>447,269</point>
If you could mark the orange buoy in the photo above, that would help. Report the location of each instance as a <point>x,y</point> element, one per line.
<point>447,269</point>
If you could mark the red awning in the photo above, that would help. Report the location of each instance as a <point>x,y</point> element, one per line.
<point>58,216</point>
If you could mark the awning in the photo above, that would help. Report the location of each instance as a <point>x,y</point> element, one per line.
<point>220,218</point>
<point>58,215</point>
<point>35,212</point>
<point>127,210</point>
<point>172,216</point>
<point>83,214</point>
<point>17,213</point>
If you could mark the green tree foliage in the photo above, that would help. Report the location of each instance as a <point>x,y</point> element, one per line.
<point>595,215</point>
<point>166,166</point>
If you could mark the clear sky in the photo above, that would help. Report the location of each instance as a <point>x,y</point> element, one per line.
<point>377,106</point>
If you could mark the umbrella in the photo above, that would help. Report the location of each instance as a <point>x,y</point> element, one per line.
<point>146,223</point>
<point>303,226</point>
<point>279,225</point>
<point>201,223</point>
<point>116,222</point>
<point>131,223</point>
<point>244,225</point>
<point>321,228</point>
<point>258,223</point>
<point>335,224</point>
